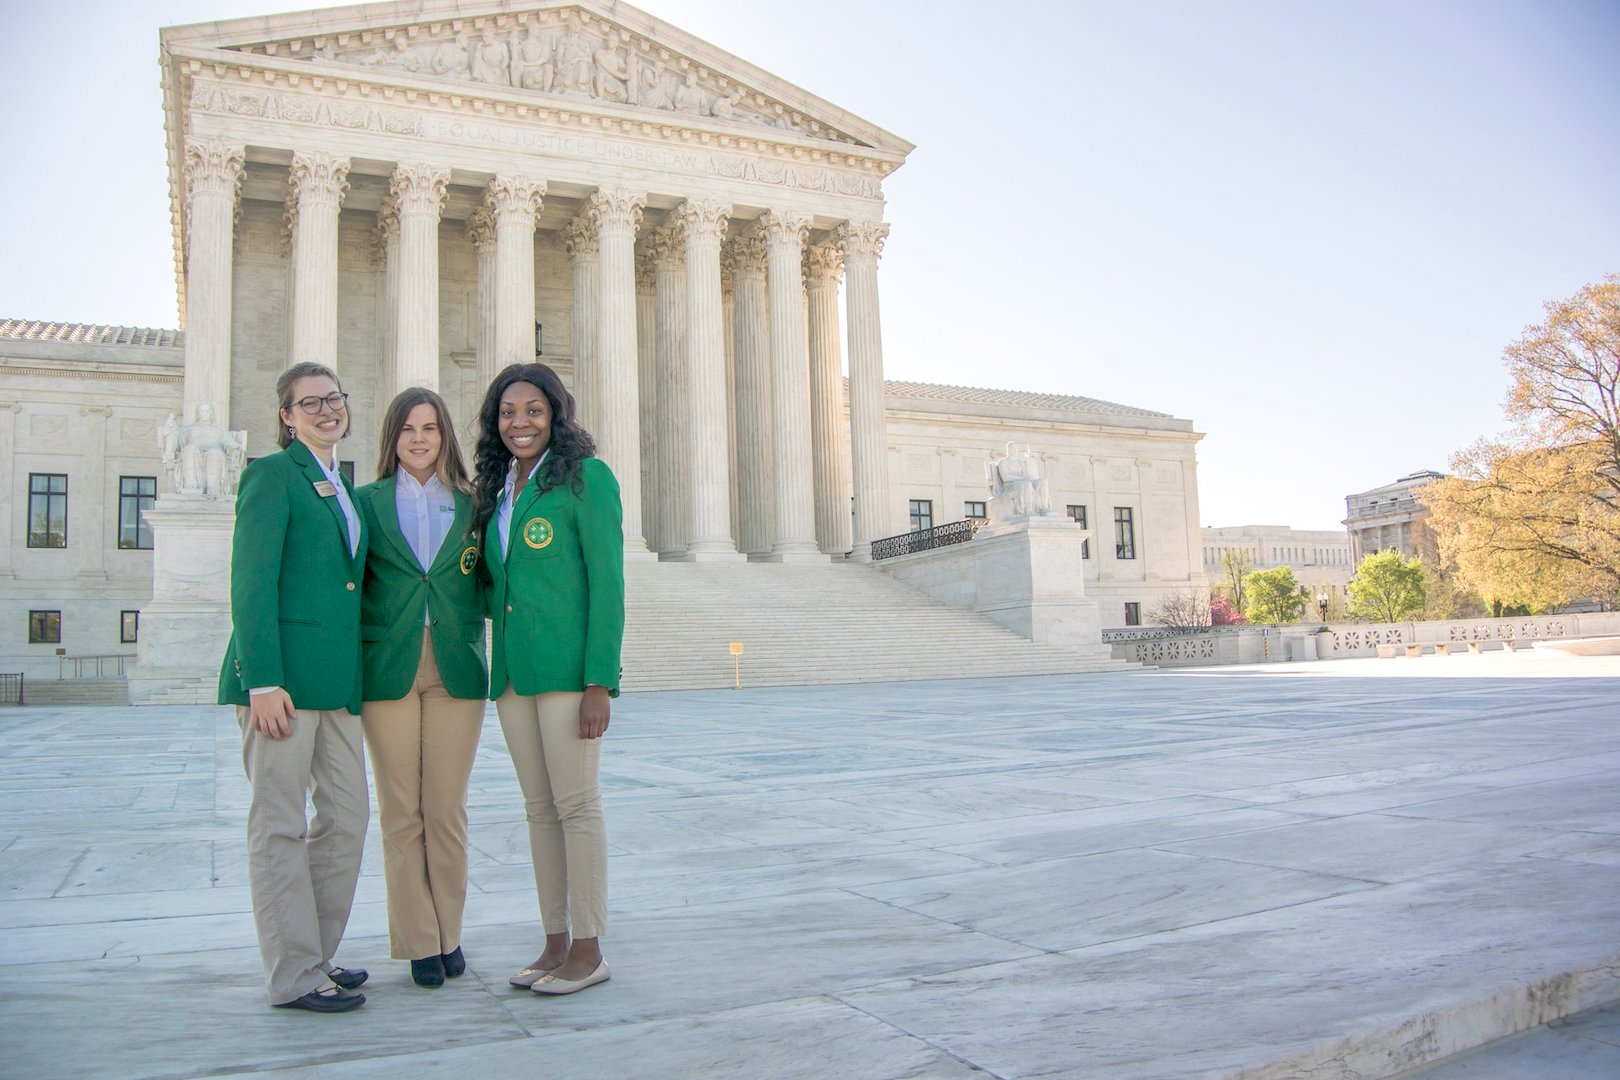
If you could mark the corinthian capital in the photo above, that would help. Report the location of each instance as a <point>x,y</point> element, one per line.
<point>616,211</point>
<point>747,250</point>
<point>318,178</point>
<point>862,240</point>
<point>581,239</point>
<point>515,198</point>
<point>703,220</point>
<point>481,228</point>
<point>213,167</point>
<point>783,228</point>
<point>669,245</point>
<point>646,264</point>
<point>823,263</point>
<point>419,188</point>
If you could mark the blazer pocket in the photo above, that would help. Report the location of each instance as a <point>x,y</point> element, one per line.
<point>298,622</point>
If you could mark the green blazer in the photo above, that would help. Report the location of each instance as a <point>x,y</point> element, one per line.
<point>397,590</point>
<point>557,594</point>
<point>295,590</point>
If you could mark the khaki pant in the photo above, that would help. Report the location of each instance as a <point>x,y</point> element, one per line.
<point>422,750</point>
<point>557,771</point>
<point>302,876</point>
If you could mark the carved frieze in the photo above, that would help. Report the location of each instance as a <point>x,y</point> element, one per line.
<point>565,52</point>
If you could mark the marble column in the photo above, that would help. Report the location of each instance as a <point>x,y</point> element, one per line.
<point>862,246</point>
<point>481,233</point>
<point>794,523</point>
<point>515,202</point>
<point>419,192</point>
<point>703,222</point>
<point>584,255</point>
<point>728,320</point>
<point>823,265</point>
<point>317,184</point>
<point>756,499</point>
<point>385,249</point>
<point>647,385</point>
<point>213,173</point>
<point>674,416</point>
<point>616,214</point>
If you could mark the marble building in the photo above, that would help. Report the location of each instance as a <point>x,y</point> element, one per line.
<point>1391,518</point>
<point>421,193</point>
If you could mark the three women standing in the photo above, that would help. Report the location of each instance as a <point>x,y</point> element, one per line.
<point>553,540</point>
<point>422,634</point>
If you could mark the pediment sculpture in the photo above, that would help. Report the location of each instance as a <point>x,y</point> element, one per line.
<point>564,52</point>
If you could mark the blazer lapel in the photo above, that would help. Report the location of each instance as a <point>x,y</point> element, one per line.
<point>316,475</point>
<point>455,539</point>
<point>523,503</point>
<point>385,507</point>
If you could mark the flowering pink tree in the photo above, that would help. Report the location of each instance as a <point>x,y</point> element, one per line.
<point>1222,612</point>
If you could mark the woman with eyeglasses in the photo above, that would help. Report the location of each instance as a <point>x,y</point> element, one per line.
<point>426,683</point>
<point>554,544</point>
<point>292,668</point>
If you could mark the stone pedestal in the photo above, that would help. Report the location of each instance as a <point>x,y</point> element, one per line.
<point>185,628</point>
<point>1031,579</point>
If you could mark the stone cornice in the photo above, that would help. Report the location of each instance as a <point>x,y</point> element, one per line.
<point>80,369</point>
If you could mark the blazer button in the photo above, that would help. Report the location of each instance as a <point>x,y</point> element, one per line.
<point>350,586</point>
<point>508,607</point>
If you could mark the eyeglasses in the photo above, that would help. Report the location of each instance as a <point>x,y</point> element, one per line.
<point>335,401</point>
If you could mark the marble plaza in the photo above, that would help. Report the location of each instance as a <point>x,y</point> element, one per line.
<point>1334,869</point>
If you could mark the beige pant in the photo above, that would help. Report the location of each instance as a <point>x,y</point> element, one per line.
<point>422,750</point>
<point>557,771</point>
<point>302,876</point>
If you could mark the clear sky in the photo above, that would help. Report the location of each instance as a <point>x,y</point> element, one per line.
<point>1308,227</point>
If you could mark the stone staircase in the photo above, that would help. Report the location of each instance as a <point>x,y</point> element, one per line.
<point>820,622</point>
<point>47,692</point>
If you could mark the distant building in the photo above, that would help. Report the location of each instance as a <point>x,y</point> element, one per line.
<point>1390,518</point>
<point>1320,558</point>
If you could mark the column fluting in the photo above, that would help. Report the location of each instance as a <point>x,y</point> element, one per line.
<point>708,452</point>
<point>674,416</point>
<point>481,233</point>
<point>616,213</point>
<point>756,499</point>
<point>823,265</point>
<point>862,245</point>
<point>419,192</point>
<point>515,203</point>
<point>213,172</point>
<point>647,385</point>
<point>794,529</point>
<point>584,254</point>
<point>316,186</point>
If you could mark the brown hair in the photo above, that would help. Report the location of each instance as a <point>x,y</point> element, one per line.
<point>450,468</point>
<point>284,388</point>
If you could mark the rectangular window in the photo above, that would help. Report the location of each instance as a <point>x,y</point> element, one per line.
<point>44,628</point>
<point>973,509</point>
<point>1077,514</point>
<point>136,494</point>
<point>47,510</point>
<point>1133,614</point>
<point>922,514</point>
<point>1124,533</point>
<point>129,626</point>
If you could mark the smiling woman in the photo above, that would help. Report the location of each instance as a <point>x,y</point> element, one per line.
<point>554,545</point>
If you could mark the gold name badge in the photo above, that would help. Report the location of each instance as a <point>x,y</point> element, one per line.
<point>324,489</point>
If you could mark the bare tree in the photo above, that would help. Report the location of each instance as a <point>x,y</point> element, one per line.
<point>1187,611</point>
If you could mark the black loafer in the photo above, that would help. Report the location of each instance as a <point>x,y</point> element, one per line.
<point>334,1000</point>
<point>429,971</point>
<point>349,978</point>
<point>454,963</point>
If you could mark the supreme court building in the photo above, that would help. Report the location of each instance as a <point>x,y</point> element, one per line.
<point>420,193</point>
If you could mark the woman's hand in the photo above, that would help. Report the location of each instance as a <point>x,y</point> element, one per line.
<point>271,714</point>
<point>593,712</point>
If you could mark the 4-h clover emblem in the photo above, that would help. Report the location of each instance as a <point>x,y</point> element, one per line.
<point>469,559</point>
<point>538,533</point>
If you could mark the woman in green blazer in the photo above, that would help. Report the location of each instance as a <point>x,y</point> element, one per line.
<point>292,668</point>
<point>554,544</point>
<point>422,635</point>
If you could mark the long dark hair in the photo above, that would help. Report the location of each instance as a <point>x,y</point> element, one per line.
<point>450,468</point>
<point>570,444</point>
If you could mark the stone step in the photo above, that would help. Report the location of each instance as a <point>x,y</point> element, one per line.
<point>76,692</point>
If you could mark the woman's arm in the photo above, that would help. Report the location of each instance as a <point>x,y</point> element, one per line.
<point>256,552</point>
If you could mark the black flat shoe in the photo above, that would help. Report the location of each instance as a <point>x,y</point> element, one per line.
<point>349,978</point>
<point>454,963</point>
<point>428,971</point>
<point>334,999</point>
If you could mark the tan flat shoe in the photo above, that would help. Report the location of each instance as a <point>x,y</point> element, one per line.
<point>530,975</point>
<point>550,984</point>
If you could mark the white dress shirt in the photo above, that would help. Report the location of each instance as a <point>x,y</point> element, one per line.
<point>426,512</point>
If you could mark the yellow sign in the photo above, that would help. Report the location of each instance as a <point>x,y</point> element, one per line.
<point>736,665</point>
<point>736,648</point>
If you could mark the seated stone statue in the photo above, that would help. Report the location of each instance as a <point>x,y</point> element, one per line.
<point>1020,478</point>
<point>202,457</point>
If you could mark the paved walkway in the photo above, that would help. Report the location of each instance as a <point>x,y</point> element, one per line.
<point>1330,869</point>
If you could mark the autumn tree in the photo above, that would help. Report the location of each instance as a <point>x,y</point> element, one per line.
<point>1388,587</point>
<point>1533,518</point>
<point>1273,595</point>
